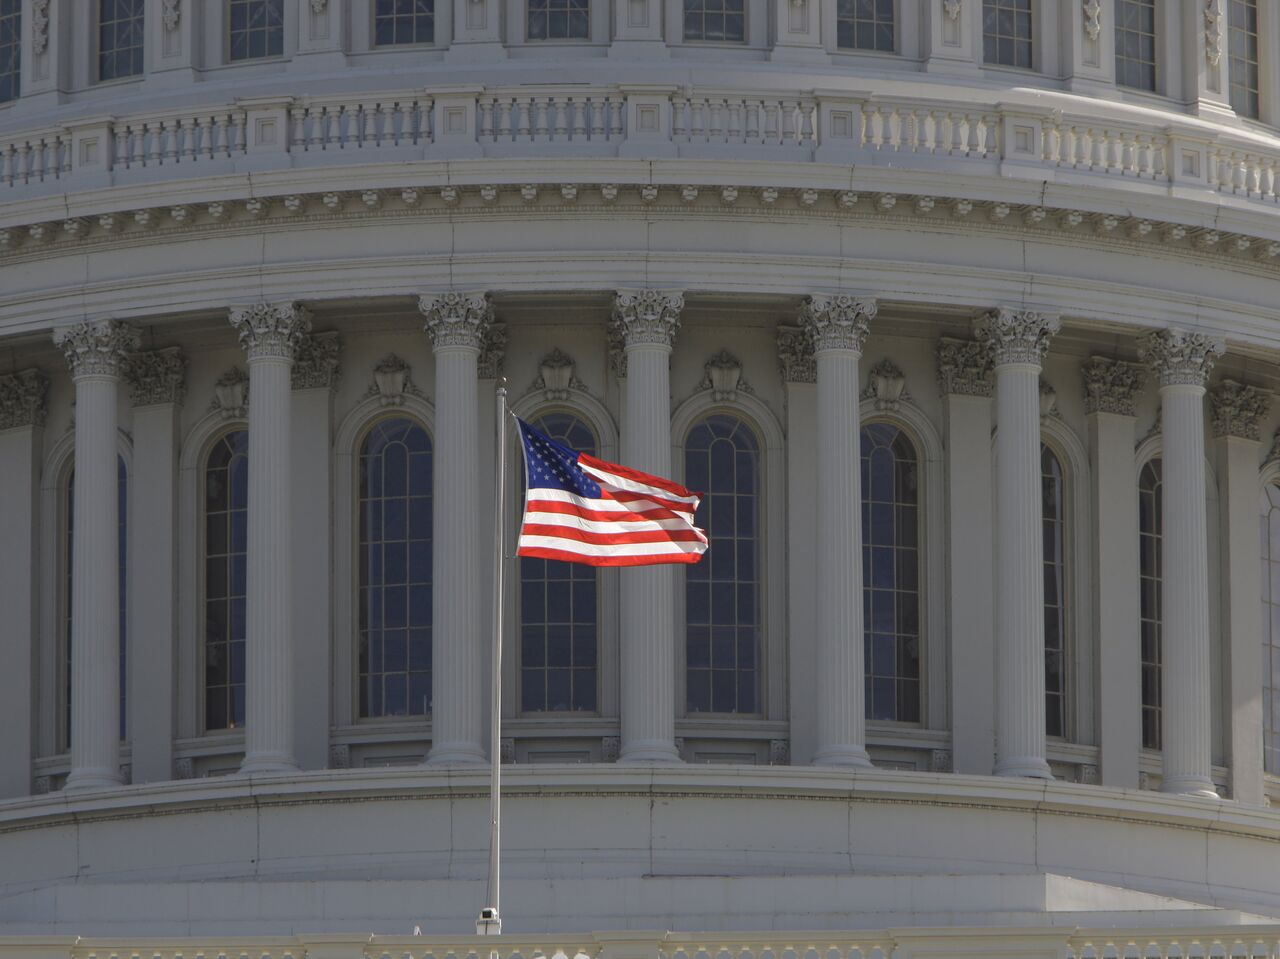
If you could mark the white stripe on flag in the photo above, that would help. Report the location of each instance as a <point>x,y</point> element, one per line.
<point>616,549</point>
<point>631,486</point>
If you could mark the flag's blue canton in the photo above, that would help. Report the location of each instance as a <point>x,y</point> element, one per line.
<point>553,465</point>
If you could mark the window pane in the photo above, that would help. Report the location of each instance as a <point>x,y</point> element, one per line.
<point>225,560</point>
<point>1135,44</point>
<point>1242,56</point>
<point>1149,539</point>
<point>400,23</point>
<point>10,48</point>
<point>557,20</point>
<point>865,25</point>
<point>255,29</point>
<point>1055,593</point>
<point>1007,32</point>
<point>1271,628</point>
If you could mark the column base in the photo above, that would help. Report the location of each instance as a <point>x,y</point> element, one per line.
<point>649,751</point>
<point>445,754</point>
<point>268,764</point>
<point>1189,784</point>
<point>91,778</point>
<point>1027,767</point>
<point>855,756</point>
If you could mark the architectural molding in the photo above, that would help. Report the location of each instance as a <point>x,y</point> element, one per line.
<point>1181,357</point>
<point>271,330</point>
<point>837,321</point>
<point>157,377</point>
<point>22,399</point>
<point>1111,386</point>
<point>316,364</point>
<point>964,368</point>
<point>647,317</point>
<point>392,381</point>
<point>556,377</point>
<point>722,375</point>
<point>795,355</point>
<point>231,394</point>
<point>1238,410</point>
<point>456,320</point>
<point>1016,335</point>
<point>97,347</point>
<point>886,386</point>
<point>493,352</point>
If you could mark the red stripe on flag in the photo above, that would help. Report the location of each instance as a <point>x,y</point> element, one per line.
<point>541,552</point>
<point>614,539</point>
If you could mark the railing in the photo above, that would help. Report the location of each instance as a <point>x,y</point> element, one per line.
<point>823,127</point>
<point>1208,942</point>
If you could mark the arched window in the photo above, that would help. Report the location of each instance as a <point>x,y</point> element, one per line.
<point>891,573</point>
<point>1271,628</point>
<point>394,618</point>
<point>122,487</point>
<point>722,592</point>
<point>1150,532</point>
<point>226,514</point>
<point>1053,490</point>
<point>559,624</point>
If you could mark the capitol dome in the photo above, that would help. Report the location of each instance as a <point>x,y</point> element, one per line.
<point>963,316</point>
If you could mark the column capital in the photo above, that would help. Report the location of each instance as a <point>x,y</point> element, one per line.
<point>456,319</point>
<point>271,330</point>
<point>1111,386</point>
<point>22,399</point>
<point>964,368</point>
<point>795,355</point>
<point>315,362</point>
<point>157,377</point>
<point>837,321</point>
<point>1237,409</point>
<point>1181,357</point>
<point>647,317</point>
<point>97,347</point>
<point>493,352</point>
<point>1016,336</point>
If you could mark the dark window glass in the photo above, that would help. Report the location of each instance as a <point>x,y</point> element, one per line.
<point>404,21</point>
<point>1006,32</point>
<point>394,618</point>
<point>559,624</point>
<point>558,20</point>
<point>865,25</point>
<point>891,573</point>
<point>255,29</point>
<point>1150,535</point>
<point>1136,44</point>
<point>122,546</point>
<point>722,592</point>
<point>120,38</point>
<point>1055,593</point>
<point>226,531</point>
<point>714,20</point>
<point>1242,56</point>
<point>1271,628</point>
<point>10,48</point>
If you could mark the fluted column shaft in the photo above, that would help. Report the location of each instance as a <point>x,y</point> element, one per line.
<point>1183,361</point>
<point>646,321</point>
<point>838,326</point>
<point>96,355</point>
<point>269,334</point>
<point>457,324</point>
<point>1017,341</point>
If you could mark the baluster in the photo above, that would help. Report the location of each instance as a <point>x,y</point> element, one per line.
<point>698,119</point>
<point>23,162</point>
<point>486,118</point>
<point>617,111</point>
<point>154,140</point>
<point>559,118</point>
<point>715,121</point>
<point>169,141</point>
<point>372,124</point>
<point>808,128</point>
<point>596,111</point>
<point>505,119</point>
<point>6,165</point>
<point>971,143</point>
<point>679,117</point>
<point>581,117</point>
<point>240,122</point>
<point>38,161</point>
<point>542,125</point>
<point>1266,179</point>
<point>770,132</point>
<point>522,120</point>
<point>1239,173</point>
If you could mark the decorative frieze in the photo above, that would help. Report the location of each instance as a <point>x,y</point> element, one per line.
<point>610,746</point>
<point>1016,336</point>
<point>1213,31</point>
<point>231,394</point>
<point>184,768</point>
<point>507,750</point>
<point>795,355</point>
<point>779,752</point>
<point>170,14</point>
<point>271,329</point>
<point>493,352</point>
<point>1111,386</point>
<point>837,321</point>
<point>964,368</point>
<point>392,381</point>
<point>39,26</point>
<point>1181,357</point>
<point>97,348</point>
<point>157,377</point>
<point>887,385</point>
<point>456,320</point>
<point>722,375</point>
<point>556,378</point>
<point>340,756</point>
<point>1237,409</point>
<point>1092,10</point>
<point>22,397</point>
<point>315,362</point>
<point>940,761</point>
<point>1048,401</point>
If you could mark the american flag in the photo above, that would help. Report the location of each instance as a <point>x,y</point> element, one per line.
<point>584,510</point>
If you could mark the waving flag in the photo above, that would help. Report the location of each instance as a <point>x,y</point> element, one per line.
<point>584,510</point>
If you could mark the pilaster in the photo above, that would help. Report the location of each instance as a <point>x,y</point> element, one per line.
<point>1088,30</point>
<point>173,40</point>
<point>953,36</point>
<point>1205,58</point>
<point>323,30</point>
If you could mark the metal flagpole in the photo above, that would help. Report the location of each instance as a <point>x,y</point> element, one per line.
<point>490,921</point>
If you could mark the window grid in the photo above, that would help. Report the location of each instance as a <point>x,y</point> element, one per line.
<point>715,20</point>
<point>394,629</point>
<point>722,592</point>
<point>404,21</point>
<point>1271,625</point>
<point>559,622</point>
<point>120,38</point>
<point>1136,44</point>
<point>1055,598</point>
<point>865,25</point>
<point>255,29</point>
<point>226,514</point>
<point>558,19</point>
<point>891,573</point>
<point>1006,32</point>
<point>122,550</point>
<point>10,48</point>
<point>1150,537</point>
<point>1242,56</point>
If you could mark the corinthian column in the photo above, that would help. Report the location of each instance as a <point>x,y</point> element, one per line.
<point>1018,341</point>
<point>96,354</point>
<point>838,325</point>
<point>457,324</point>
<point>269,334</point>
<point>646,322</point>
<point>1183,360</point>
